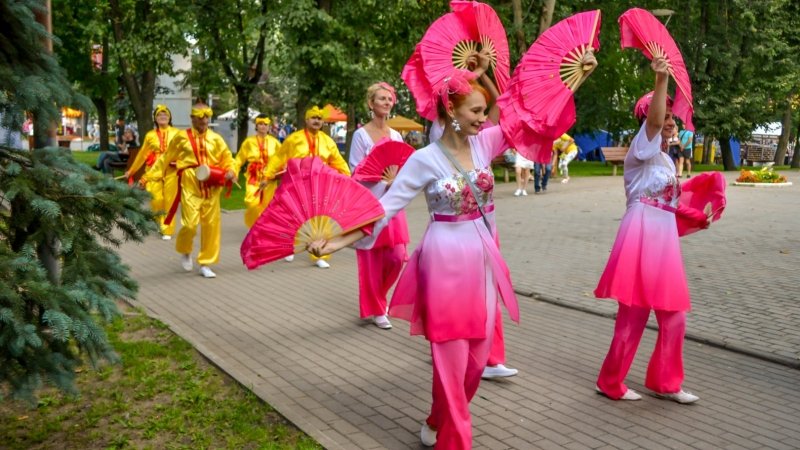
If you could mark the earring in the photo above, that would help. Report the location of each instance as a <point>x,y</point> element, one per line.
<point>455,124</point>
<point>371,114</point>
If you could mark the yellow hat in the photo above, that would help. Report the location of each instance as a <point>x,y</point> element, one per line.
<point>162,108</point>
<point>316,112</point>
<point>201,111</point>
<point>264,120</point>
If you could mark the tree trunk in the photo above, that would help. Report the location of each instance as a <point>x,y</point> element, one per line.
<point>242,114</point>
<point>708,150</point>
<point>351,128</point>
<point>102,121</point>
<point>796,155</point>
<point>727,156</point>
<point>786,124</point>
<point>519,33</point>
<point>547,15</point>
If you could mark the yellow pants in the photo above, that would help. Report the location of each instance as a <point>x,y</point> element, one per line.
<point>205,212</point>
<point>163,193</point>
<point>255,203</point>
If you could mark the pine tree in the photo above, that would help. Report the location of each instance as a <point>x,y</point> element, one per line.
<point>59,221</point>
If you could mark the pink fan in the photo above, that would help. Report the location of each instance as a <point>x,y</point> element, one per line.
<point>447,44</point>
<point>384,154</point>
<point>540,94</point>
<point>414,77</point>
<point>701,196</point>
<point>483,20</point>
<point>313,202</point>
<point>638,28</point>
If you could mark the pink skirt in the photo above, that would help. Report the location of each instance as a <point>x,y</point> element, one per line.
<point>645,268</point>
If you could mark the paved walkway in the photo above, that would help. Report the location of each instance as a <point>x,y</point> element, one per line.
<point>290,332</point>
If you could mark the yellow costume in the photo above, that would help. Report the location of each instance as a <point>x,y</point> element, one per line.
<point>199,202</point>
<point>163,190</point>
<point>256,152</point>
<point>304,143</point>
<point>565,144</point>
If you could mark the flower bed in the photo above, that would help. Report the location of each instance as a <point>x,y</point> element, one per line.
<point>765,175</point>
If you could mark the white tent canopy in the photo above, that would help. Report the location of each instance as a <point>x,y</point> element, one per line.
<point>232,114</point>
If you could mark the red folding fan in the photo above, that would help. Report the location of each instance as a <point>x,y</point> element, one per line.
<point>313,202</point>
<point>638,28</point>
<point>414,77</point>
<point>702,197</point>
<point>483,21</point>
<point>384,154</point>
<point>540,94</point>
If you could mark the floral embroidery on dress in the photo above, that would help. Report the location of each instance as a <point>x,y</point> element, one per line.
<point>665,191</point>
<point>455,191</point>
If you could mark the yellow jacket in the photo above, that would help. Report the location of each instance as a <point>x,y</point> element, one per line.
<point>250,152</point>
<point>153,145</point>
<point>296,146</point>
<point>212,149</point>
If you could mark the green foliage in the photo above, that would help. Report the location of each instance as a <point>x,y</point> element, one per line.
<point>46,326</point>
<point>58,276</point>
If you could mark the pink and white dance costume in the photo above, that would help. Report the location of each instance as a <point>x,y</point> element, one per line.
<point>380,266</point>
<point>645,272</point>
<point>449,288</point>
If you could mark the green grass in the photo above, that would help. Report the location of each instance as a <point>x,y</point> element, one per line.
<point>234,202</point>
<point>595,168</point>
<point>162,395</point>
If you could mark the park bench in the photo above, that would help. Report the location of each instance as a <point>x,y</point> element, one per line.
<point>123,166</point>
<point>500,161</point>
<point>614,156</point>
<point>758,153</point>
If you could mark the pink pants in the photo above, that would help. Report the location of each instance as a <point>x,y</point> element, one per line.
<point>497,354</point>
<point>378,269</point>
<point>457,369</point>
<point>665,370</point>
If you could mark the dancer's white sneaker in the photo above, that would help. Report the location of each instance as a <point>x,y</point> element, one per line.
<point>206,272</point>
<point>682,397</point>
<point>322,264</point>
<point>382,322</point>
<point>166,237</point>
<point>427,435</point>
<point>629,395</point>
<point>186,262</point>
<point>498,371</point>
<point>289,258</point>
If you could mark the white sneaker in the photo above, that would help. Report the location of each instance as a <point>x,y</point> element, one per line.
<point>186,262</point>
<point>518,192</point>
<point>427,435</point>
<point>382,322</point>
<point>565,180</point>
<point>630,394</point>
<point>681,397</point>
<point>498,371</point>
<point>322,264</point>
<point>524,193</point>
<point>289,258</point>
<point>206,272</point>
<point>166,237</point>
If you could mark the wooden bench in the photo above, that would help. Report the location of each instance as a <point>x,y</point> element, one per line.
<point>500,161</point>
<point>125,165</point>
<point>614,156</point>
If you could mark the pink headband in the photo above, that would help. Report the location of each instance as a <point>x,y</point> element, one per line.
<point>643,105</point>
<point>388,87</point>
<point>456,83</point>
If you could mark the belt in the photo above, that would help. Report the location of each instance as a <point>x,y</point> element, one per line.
<point>461,217</point>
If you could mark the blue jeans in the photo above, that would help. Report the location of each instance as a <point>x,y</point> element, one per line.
<point>537,176</point>
<point>105,160</point>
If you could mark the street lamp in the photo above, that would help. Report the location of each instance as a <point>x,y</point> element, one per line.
<point>663,12</point>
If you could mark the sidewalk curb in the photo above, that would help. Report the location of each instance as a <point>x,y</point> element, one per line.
<point>694,337</point>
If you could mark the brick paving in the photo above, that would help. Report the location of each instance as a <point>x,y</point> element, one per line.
<point>290,332</point>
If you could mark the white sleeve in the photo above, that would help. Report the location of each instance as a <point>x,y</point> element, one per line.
<point>358,148</point>
<point>411,179</point>
<point>641,148</point>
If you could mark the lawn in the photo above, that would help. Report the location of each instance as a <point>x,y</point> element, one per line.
<point>162,395</point>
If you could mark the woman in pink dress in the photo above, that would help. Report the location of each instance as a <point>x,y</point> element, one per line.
<point>450,288</point>
<point>379,267</point>
<point>645,270</point>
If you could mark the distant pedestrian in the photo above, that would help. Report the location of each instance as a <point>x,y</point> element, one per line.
<point>686,138</point>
